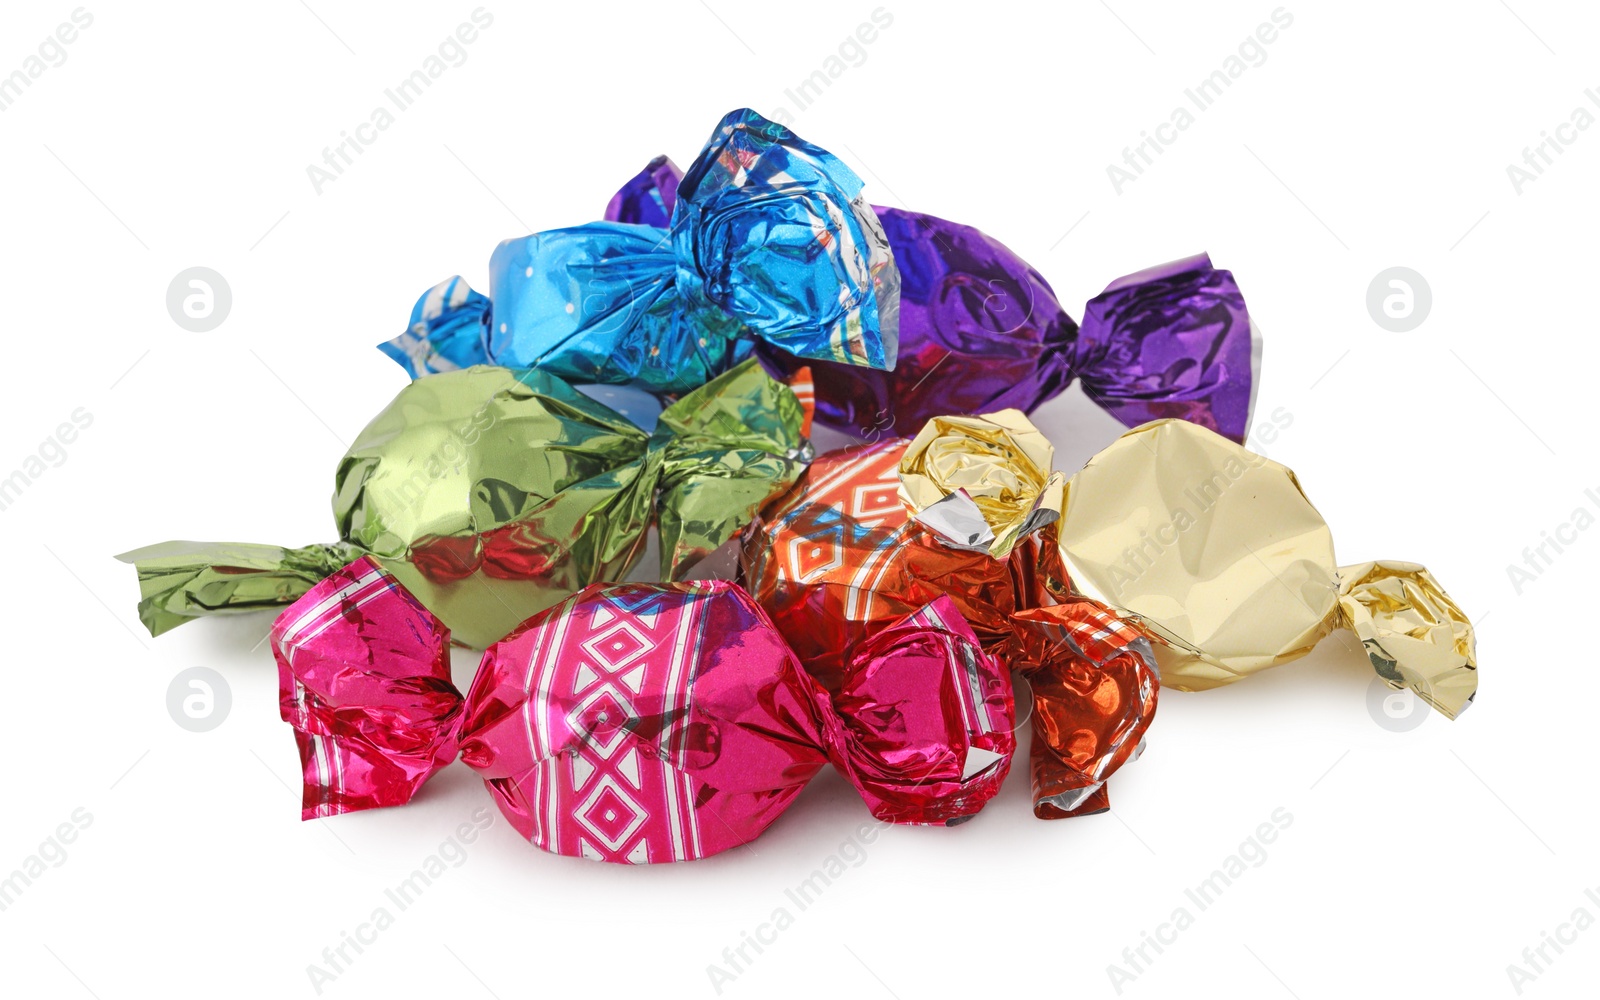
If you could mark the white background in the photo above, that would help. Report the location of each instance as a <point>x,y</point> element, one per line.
<point>1374,135</point>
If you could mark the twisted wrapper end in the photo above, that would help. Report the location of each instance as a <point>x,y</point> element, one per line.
<point>728,447</point>
<point>364,679</point>
<point>924,723</point>
<point>448,330</point>
<point>1095,687</point>
<point>649,196</point>
<point>1412,631</point>
<point>182,581</point>
<point>843,307</point>
<point>1172,341</point>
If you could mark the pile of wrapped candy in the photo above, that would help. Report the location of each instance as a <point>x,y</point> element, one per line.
<point>887,594</point>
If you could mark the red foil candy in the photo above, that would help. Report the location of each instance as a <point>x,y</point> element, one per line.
<point>640,722</point>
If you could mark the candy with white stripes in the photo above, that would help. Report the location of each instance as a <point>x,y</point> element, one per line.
<point>364,679</point>
<point>637,723</point>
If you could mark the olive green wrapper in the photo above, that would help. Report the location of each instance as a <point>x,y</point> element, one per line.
<point>180,581</point>
<point>492,494</point>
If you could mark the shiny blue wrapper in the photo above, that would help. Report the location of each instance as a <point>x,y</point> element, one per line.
<point>769,241</point>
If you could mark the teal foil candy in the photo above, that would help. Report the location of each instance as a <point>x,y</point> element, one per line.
<point>770,240</point>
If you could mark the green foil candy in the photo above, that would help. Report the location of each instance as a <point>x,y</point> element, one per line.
<point>492,494</point>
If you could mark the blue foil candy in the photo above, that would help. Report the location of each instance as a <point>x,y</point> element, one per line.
<point>769,239</point>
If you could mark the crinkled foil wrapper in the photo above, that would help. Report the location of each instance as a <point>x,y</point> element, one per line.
<point>1412,631</point>
<point>981,481</point>
<point>180,581</point>
<point>766,238</point>
<point>1091,708</point>
<point>870,532</point>
<point>980,330</point>
<point>1173,341</point>
<point>838,556</point>
<point>364,679</point>
<point>1217,552</point>
<point>647,199</point>
<point>492,494</point>
<point>636,723</point>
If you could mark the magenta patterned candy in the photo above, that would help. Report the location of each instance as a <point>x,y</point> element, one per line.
<point>637,723</point>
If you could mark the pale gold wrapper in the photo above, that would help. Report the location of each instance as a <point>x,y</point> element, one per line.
<point>1413,632</point>
<point>1214,549</point>
<point>982,482</point>
<point>1217,552</point>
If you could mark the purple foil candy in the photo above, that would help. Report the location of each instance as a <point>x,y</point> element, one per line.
<point>982,331</point>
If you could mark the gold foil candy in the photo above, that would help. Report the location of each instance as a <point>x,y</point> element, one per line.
<point>1219,555</point>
